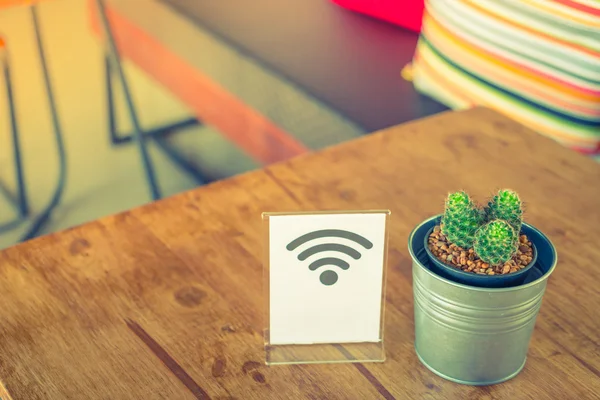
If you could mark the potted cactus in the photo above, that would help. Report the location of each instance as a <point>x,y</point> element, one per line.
<point>482,246</point>
<point>479,275</point>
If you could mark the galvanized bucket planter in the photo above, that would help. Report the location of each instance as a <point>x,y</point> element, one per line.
<point>475,335</point>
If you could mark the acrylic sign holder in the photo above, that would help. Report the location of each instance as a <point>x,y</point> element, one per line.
<point>312,268</point>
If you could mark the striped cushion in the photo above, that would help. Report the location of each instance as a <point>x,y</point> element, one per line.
<point>537,61</point>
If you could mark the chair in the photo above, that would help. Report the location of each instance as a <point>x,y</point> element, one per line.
<point>21,199</point>
<point>114,66</point>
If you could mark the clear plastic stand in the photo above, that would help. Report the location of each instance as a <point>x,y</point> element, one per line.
<point>304,284</point>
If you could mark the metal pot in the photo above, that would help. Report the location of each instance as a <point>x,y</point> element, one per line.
<point>474,335</point>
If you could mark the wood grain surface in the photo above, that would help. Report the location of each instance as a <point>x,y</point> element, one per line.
<point>164,301</point>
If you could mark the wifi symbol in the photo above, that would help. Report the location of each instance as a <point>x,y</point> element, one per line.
<point>329,277</point>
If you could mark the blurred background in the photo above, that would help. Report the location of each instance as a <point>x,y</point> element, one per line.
<point>265,84</point>
<point>102,179</point>
<point>221,87</point>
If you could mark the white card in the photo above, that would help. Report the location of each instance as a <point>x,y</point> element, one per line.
<point>326,287</point>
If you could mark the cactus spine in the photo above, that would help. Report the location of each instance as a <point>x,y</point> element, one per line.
<point>496,242</point>
<point>506,205</point>
<point>461,219</point>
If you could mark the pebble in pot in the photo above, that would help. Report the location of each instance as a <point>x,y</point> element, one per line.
<point>481,246</point>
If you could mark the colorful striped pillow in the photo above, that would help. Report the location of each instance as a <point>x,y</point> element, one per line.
<point>537,61</point>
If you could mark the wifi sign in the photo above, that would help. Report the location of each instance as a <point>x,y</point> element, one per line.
<point>329,277</point>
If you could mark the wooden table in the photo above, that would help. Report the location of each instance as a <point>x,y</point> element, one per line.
<point>164,301</point>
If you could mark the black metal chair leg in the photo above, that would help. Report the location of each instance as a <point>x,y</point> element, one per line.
<point>23,204</point>
<point>158,134</point>
<point>45,215</point>
<point>110,106</point>
<point>180,160</point>
<point>117,138</point>
<point>20,199</point>
<point>137,129</point>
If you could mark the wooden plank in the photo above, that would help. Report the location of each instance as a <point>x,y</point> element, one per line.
<point>164,301</point>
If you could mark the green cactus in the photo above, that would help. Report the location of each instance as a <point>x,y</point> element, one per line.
<point>496,242</point>
<point>506,205</point>
<point>461,219</point>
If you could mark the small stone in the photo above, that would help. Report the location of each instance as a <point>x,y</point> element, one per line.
<point>463,254</point>
<point>471,267</point>
<point>471,251</point>
<point>478,263</point>
<point>523,258</point>
<point>463,261</point>
<point>439,243</point>
<point>490,272</point>
<point>444,247</point>
<point>513,269</point>
<point>524,248</point>
<point>470,262</point>
<point>449,257</point>
<point>482,270</point>
<point>455,253</point>
<point>436,228</point>
<point>485,265</point>
<point>506,269</point>
<point>523,239</point>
